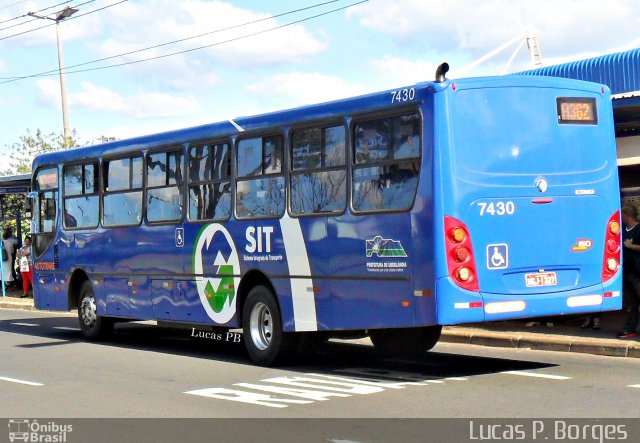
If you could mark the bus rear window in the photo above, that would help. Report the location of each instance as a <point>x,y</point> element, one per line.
<point>527,139</point>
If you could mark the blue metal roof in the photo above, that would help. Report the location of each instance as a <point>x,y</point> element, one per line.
<point>619,71</point>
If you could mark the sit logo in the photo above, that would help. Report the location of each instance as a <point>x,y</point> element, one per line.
<point>258,239</point>
<point>215,253</point>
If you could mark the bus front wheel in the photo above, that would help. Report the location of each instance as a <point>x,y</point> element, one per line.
<point>266,342</point>
<point>93,326</point>
<point>410,343</point>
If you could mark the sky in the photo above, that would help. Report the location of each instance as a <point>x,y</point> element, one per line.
<point>215,60</point>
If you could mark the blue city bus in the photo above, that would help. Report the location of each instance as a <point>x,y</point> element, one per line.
<point>387,215</point>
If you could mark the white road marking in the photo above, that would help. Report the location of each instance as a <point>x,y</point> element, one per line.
<point>276,392</point>
<point>66,328</point>
<point>25,324</point>
<point>634,386</point>
<point>23,382</point>
<point>538,375</point>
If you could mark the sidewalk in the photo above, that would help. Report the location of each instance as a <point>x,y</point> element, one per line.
<point>564,336</point>
<point>12,300</point>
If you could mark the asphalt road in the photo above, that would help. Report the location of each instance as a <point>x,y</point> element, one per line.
<point>48,370</point>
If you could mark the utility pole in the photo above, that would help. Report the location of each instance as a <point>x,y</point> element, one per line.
<point>58,17</point>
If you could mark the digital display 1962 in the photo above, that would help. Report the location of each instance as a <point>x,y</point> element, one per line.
<point>577,110</point>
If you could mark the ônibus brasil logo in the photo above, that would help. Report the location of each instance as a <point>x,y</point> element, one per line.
<point>215,254</point>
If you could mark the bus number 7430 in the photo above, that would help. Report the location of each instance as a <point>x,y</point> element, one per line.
<point>497,208</point>
<point>403,95</point>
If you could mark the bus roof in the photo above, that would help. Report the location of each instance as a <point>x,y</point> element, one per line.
<point>327,110</point>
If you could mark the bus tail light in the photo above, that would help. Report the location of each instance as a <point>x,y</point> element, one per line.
<point>611,258</point>
<point>461,264</point>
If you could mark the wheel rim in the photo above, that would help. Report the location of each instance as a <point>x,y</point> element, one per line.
<point>261,326</point>
<point>88,310</point>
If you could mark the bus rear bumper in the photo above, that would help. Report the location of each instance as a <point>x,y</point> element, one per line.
<point>456,306</point>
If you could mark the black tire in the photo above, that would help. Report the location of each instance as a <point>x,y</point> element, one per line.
<point>412,343</point>
<point>93,326</point>
<point>264,338</point>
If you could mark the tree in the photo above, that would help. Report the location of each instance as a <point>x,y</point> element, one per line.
<point>30,145</point>
<point>21,158</point>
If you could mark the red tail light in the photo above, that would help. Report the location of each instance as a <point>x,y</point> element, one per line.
<point>611,259</point>
<point>461,264</point>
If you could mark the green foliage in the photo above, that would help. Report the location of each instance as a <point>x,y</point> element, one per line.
<point>20,161</point>
<point>30,145</point>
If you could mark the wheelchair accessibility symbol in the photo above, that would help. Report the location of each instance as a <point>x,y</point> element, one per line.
<point>179,237</point>
<point>498,256</point>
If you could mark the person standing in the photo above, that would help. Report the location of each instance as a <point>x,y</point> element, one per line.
<point>26,264</point>
<point>630,268</point>
<point>14,240</point>
<point>9,244</point>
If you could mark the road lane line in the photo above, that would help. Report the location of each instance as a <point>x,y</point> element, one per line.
<point>634,386</point>
<point>66,328</point>
<point>25,324</point>
<point>538,375</point>
<point>23,382</point>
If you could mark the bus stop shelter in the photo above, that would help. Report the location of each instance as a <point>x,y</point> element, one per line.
<point>10,186</point>
<point>11,215</point>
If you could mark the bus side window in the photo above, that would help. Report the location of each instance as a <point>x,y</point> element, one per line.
<point>164,186</point>
<point>209,182</point>
<point>387,163</point>
<point>318,177</point>
<point>122,199</point>
<point>81,201</point>
<point>260,187</point>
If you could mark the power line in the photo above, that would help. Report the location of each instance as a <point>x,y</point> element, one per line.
<point>185,39</point>
<point>26,15</point>
<point>17,24</point>
<point>12,4</point>
<point>67,71</point>
<point>71,18</point>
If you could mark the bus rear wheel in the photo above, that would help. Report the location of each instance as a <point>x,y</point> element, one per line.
<point>266,342</point>
<point>93,326</point>
<point>412,343</point>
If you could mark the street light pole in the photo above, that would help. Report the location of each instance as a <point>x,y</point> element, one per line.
<point>58,17</point>
<point>63,89</point>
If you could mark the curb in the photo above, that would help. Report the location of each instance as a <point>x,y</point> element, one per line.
<point>541,342</point>
<point>10,304</point>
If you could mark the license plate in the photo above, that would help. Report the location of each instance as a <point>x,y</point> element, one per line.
<point>541,279</point>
